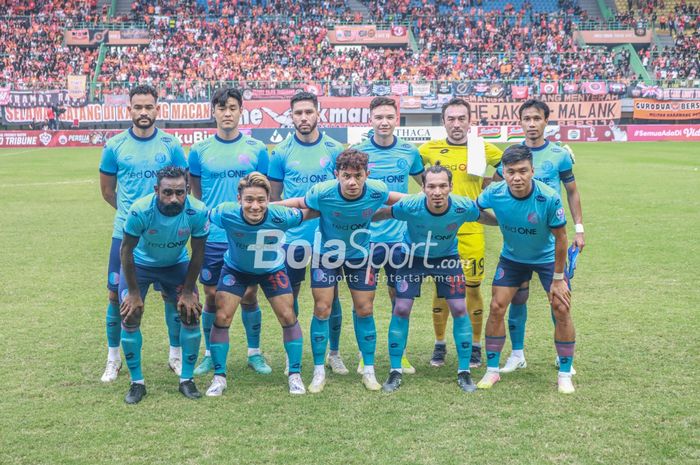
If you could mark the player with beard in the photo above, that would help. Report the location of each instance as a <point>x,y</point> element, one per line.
<point>296,164</point>
<point>130,161</point>
<point>154,250</point>
<point>217,164</point>
<point>453,154</point>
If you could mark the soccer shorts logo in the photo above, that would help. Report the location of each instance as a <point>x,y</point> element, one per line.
<point>125,292</point>
<point>229,280</point>
<point>206,274</point>
<point>319,275</point>
<point>500,273</point>
<point>114,278</point>
<point>402,285</point>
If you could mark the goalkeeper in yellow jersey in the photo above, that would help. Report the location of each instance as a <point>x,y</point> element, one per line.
<point>468,171</point>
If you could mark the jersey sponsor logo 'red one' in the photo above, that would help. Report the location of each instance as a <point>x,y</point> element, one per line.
<point>532,218</point>
<point>229,174</point>
<point>392,178</point>
<point>314,178</point>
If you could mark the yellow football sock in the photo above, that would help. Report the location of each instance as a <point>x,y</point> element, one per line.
<point>475,308</point>
<point>440,315</point>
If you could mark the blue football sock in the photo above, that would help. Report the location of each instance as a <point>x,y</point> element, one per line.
<point>494,347</point>
<point>131,345</point>
<point>462,332</point>
<point>398,334</point>
<point>319,339</point>
<point>114,329</point>
<point>218,345</point>
<point>252,321</point>
<point>565,351</point>
<point>172,320</point>
<point>335,325</point>
<point>208,317</point>
<point>293,345</point>
<point>366,334</point>
<point>190,337</point>
<point>517,317</point>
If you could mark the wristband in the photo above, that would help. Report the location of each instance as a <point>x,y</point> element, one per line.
<point>579,228</point>
<point>557,276</point>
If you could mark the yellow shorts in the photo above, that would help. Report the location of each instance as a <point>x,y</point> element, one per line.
<point>471,248</point>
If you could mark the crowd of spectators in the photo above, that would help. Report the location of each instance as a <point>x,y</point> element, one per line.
<point>680,62</point>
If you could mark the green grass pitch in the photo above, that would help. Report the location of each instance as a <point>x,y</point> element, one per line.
<point>635,307</point>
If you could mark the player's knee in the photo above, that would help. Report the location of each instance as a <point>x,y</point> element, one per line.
<point>322,310</point>
<point>364,308</point>
<point>497,309</point>
<point>521,296</point>
<point>561,311</point>
<point>113,297</point>
<point>458,307</point>
<point>402,308</point>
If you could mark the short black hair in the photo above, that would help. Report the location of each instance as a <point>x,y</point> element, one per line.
<point>516,153</point>
<point>303,96</point>
<point>171,172</point>
<point>143,89</point>
<point>437,168</point>
<point>381,101</point>
<point>455,102</point>
<point>222,95</point>
<point>534,103</point>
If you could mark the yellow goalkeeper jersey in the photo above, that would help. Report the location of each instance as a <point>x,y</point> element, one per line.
<point>454,158</point>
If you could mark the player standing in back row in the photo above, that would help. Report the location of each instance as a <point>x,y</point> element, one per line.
<point>298,163</point>
<point>130,161</point>
<point>453,154</point>
<point>217,164</point>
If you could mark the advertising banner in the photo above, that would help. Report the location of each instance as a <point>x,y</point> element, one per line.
<point>666,110</point>
<point>39,98</point>
<point>94,37</point>
<point>593,112</point>
<point>368,35</point>
<point>629,36</point>
<point>670,132</point>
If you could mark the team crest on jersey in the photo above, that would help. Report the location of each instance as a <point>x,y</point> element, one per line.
<point>541,198</point>
<point>160,157</point>
<point>152,231</point>
<point>324,161</point>
<point>239,234</point>
<point>336,214</point>
<point>532,218</point>
<point>367,212</point>
<point>401,164</point>
<point>547,165</point>
<point>376,195</point>
<point>452,226</point>
<point>244,158</point>
<point>183,232</point>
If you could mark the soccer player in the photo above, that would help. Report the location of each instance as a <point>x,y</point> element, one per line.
<point>433,217</point>
<point>453,154</point>
<point>217,164</point>
<point>553,166</point>
<point>130,161</point>
<point>393,161</point>
<point>347,205</point>
<point>533,223</point>
<point>296,164</point>
<point>154,250</point>
<point>253,227</point>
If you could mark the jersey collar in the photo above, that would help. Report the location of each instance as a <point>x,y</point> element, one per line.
<point>384,147</point>
<point>541,147</point>
<point>449,205</point>
<point>308,144</point>
<point>340,193</point>
<point>223,141</point>
<point>143,139</point>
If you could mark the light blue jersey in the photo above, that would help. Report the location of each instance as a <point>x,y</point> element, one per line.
<point>135,162</point>
<point>163,239</point>
<point>440,231</point>
<point>553,165</point>
<point>346,220</point>
<point>298,166</point>
<point>243,236</point>
<point>525,223</point>
<point>221,164</point>
<point>394,165</point>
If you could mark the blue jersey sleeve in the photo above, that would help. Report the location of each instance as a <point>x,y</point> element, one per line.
<point>293,217</point>
<point>178,154</point>
<point>275,170</point>
<point>556,216</point>
<point>311,199</point>
<point>400,209</point>
<point>200,224</point>
<point>472,212</point>
<point>134,225</point>
<point>263,160</point>
<point>484,200</point>
<point>195,162</point>
<point>108,163</point>
<point>417,165</point>
<point>216,214</point>
<point>499,170</point>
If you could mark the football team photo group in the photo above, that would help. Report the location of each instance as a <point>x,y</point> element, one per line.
<point>315,217</point>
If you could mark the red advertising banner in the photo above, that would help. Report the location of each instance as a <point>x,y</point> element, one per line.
<point>96,138</point>
<point>519,92</point>
<point>668,110</point>
<point>368,34</point>
<point>656,132</point>
<point>334,112</point>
